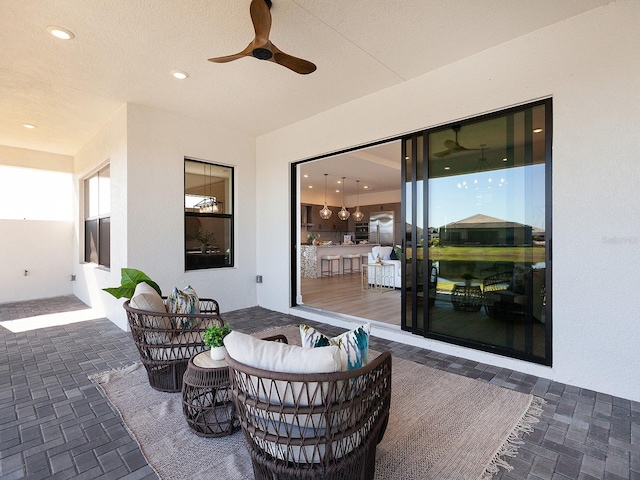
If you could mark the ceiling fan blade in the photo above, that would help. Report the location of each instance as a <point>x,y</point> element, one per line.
<point>441,154</point>
<point>452,145</point>
<point>261,18</point>
<point>298,65</point>
<point>228,58</point>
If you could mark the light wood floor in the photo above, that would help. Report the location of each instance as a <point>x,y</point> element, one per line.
<point>344,294</point>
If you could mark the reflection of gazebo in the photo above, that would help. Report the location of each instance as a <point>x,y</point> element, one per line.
<point>484,230</point>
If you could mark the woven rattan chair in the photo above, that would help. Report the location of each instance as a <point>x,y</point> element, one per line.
<point>313,425</point>
<point>165,348</point>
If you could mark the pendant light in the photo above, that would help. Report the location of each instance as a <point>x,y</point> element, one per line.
<point>344,213</point>
<point>358,215</point>
<point>325,213</point>
<point>209,204</point>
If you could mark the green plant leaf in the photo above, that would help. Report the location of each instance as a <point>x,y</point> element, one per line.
<point>214,335</point>
<point>122,291</point>
<point>129,278</point>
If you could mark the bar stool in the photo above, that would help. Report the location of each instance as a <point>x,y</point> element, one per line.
<point>329,259</point>
<point>351,257</point>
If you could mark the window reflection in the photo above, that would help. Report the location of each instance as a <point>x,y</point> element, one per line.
<point>208,215</point>
<point>485,234</point>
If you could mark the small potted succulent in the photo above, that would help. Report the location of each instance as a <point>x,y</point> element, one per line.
<point>213,339</point>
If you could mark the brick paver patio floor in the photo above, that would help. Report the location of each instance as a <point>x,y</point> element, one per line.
<point>55,423</point>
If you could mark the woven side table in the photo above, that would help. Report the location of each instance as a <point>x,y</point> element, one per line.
<point>207,403</point>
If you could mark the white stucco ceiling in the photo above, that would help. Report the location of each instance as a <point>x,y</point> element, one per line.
<point>124,51</point>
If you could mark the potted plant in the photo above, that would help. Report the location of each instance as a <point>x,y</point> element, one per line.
<point>468,276</point>
<point>213,339</point>
<point>205,239</point>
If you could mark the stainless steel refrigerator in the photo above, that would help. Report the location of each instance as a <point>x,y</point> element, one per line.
<point>381,228</point>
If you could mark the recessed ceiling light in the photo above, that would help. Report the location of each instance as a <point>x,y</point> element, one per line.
<point>179,74</point>
<point>504,159</point>
<point>447,167</point>
<point>366,186</point>
<point>310,186</point>
<point>339,181</point>
<point>61,33</point>
<point>537,130</point>
<point>306,176</point>
<point>28,125</point>
<point>337,191</point>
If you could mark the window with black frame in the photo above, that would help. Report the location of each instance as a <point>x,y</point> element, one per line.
<point>97,213</point>
<point>208,215</point>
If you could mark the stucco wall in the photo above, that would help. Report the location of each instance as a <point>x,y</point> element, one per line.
<point>42,249</point>
<point>146,150</point>
<point>589,66</point>
<point>157,145</point>
<point>38,239</point>
<point>109,145</point>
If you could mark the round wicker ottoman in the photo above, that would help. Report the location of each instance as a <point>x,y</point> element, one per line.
<point>206,399</point>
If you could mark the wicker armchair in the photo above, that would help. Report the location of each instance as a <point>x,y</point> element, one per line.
<point>323,425</point>
<point>165,349</point>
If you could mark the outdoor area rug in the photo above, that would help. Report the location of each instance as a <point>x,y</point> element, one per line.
<point>441,426</point>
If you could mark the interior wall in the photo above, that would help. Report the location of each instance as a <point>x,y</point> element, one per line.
<point>35,254</point>
<point>587,64</point>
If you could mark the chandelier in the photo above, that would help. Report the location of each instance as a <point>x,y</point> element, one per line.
<point>209,204</point>
<point>344,213</point>
<point>358,215</point>
<point>325,213</point>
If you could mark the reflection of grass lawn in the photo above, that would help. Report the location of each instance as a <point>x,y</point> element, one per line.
<point>488,254</point>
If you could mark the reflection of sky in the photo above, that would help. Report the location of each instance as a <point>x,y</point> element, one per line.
<point>514,194</point>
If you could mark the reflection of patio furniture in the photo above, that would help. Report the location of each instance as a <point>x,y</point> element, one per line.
<point>206,398</point>
<point>466,298</point>
<point>432,284</point>
<point>516,293</point>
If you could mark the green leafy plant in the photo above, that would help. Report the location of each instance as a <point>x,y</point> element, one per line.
<point>214,335</point>
<point>206,238</point>
<point>129,278</point>
<point>468,275</point>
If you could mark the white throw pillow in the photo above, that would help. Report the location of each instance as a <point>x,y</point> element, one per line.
<point>385,252</point>
<point>146,298</point>
<point>353,345</point>
<point>281,357</point>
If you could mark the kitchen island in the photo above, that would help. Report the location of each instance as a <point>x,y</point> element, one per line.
<point>310,256</point>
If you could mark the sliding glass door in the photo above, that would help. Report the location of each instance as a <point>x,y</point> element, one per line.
<point>478,231</point>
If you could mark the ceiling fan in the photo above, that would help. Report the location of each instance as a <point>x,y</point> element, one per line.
<point>262,48</point>
<point>452,145</point>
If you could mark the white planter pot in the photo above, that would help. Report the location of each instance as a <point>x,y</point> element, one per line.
<point>218,353</point>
